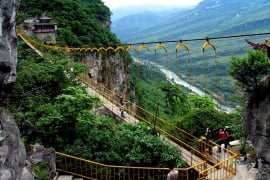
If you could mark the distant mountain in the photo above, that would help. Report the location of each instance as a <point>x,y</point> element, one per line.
<point>141,17</point>
<point>121,12</point>
<point>210,18</point>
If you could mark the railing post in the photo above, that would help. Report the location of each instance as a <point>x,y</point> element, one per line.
<point>202,142</point>
<point>107,173</point>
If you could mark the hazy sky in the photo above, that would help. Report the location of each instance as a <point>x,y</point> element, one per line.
<point>122,3</point>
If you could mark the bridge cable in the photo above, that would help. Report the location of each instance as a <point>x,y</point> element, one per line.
<point>215,90</point>
<point>177,61</point>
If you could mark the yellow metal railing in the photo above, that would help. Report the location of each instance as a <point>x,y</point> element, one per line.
<point>198,147</point>
<point>185,140</point>
<point>203,164</point>
<point>93,170</point>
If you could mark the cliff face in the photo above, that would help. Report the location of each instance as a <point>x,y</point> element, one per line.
<point>8,48</point>
<point>257,126</point>
<point>109,70</point>
<point>12,150</point>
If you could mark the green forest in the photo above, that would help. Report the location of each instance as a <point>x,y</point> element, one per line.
<point>49,101</point>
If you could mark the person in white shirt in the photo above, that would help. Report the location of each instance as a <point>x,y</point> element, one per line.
<point>173,174</point>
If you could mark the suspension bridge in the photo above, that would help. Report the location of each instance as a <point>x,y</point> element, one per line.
<point>203,161</point>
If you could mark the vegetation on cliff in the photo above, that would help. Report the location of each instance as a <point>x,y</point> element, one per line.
<point>53,109</point>
<point>80,23</point>
<point>249,71</point>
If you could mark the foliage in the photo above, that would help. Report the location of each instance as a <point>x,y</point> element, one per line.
<point>178,107</point>
<point>59,107</point>
<point>146,149</point>
<point>157,95</point>
<point>79,23</point>
<point>235,121</point>
<point>126,144</point>
<point>204,113</point>
<point>197,120</point>
<point>175,98</point>
<point>249,71</point>
<point>41,171</point>
<point>61,117</point>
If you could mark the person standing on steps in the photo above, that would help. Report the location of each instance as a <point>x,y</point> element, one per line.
<point>122,108</point>
<point>208,135</point>
<point>173,174</point>
<point>224,138</point>
<point>123,103</point>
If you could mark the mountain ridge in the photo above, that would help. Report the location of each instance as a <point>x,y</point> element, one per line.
<point>204,15</point>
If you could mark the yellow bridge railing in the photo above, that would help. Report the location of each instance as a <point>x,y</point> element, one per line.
<point>219,165</point>
<point>204,163</point>
<point>92,170</point>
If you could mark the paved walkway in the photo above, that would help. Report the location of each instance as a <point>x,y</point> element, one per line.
<point>112,107</point>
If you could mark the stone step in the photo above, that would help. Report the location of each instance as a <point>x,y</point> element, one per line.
<point>65,177</point>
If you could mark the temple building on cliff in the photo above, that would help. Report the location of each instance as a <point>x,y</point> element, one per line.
<point>43,27</point>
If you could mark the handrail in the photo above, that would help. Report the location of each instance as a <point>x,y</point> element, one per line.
<point>94,170</point>
<point>185,139</point>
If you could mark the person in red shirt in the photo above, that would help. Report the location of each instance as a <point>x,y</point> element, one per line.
<point>224,138</point>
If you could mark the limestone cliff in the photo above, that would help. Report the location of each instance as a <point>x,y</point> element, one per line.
<point>257,126</point>
<point>13,158</point>
<point>12,150</point>
<point>8,46</point>
<point>109,70</point>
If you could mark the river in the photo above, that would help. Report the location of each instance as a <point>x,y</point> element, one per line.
<point>174,78</point>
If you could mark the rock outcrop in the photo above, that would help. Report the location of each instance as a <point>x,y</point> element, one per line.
<point>12,151</point>
<point>109,70</point>
<point>42,156</point>
<point>257,127</point>
<point>8,48</point>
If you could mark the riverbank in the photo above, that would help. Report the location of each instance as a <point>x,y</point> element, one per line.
<point>174,78</point>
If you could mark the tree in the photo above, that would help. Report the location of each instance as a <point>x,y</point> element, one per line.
<point>81,23</point>
<point>39,81</point>
<point>62,117</point>
<point>202,114</point>
<point>175,98</point>
<point>249,71</point>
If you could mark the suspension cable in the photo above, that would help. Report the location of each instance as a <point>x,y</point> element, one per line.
<point>200,39</point>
